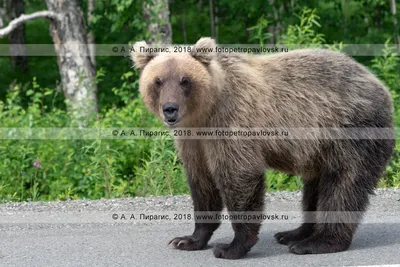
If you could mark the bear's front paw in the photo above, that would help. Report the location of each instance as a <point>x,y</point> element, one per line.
<point>188,243</point>
<point>230,251</point>
<point>285,237</point>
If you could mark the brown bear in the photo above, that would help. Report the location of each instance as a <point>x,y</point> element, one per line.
<point>306,88</point>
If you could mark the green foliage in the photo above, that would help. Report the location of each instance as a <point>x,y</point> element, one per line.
<point>97,168</point>
<point>259,31</point>
<point>161,174</point>
<point>392,177</point>
<point>277,181</point>
<point>304,32</point>
<point>387,68</point>
<point>77,168</point>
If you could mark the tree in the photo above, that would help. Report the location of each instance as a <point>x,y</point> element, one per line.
<point>212,18</point>
<point>90,37</point>
<point>394,13</point>
<point>156,12</point>
<point>76,69</point>
<point>70,40</point>
<point>2,14</point>
<point>16,38</point>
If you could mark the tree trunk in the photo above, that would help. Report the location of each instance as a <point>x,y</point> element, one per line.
<point>216,23</point>
<point>277,15</point>
<point>2,16</point>
<point>183,20</point>
<point>344,9</point>
<point>212,23</point>
<point>156,12</point>
<point>76,69</point>
<point>271,28</point>
<point>395,22</point>
<point>90,37</point>
<point>16,39</point>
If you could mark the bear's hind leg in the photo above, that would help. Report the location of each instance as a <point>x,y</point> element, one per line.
<point>343,198</point>
<point>343,191</point>
<point>310,198</point>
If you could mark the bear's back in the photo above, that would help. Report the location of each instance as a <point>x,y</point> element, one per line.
<point>301,88</point>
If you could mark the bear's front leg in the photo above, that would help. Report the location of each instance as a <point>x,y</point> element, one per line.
<point>243,195</point>
<point>206,198</point>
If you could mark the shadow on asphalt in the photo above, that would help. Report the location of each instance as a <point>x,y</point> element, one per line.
<point>367,236</point>
<point>376,235</point>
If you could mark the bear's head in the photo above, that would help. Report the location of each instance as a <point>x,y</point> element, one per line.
<point>179,87</point>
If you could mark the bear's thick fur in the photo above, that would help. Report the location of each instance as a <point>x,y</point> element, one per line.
<point>307,88</point>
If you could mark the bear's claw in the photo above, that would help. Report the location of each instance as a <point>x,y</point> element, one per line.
<point>187,243</point>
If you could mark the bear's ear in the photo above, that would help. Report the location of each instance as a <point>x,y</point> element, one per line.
<point>204,50</point>
<point>140,55</point>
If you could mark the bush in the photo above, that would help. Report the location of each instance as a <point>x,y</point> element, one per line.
<point>82,169</point>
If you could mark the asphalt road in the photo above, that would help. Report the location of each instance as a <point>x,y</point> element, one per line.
<point>96,233</point>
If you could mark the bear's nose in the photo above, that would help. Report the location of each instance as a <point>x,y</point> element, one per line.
<point>170,110</point>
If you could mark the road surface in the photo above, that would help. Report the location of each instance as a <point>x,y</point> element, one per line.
<point>103,233</point>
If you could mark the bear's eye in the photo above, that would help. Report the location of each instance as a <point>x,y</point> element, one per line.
<point>158,82</point>
<point>185,81</point>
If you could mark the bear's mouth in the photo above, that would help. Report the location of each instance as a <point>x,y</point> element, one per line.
<point>171,122</point>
